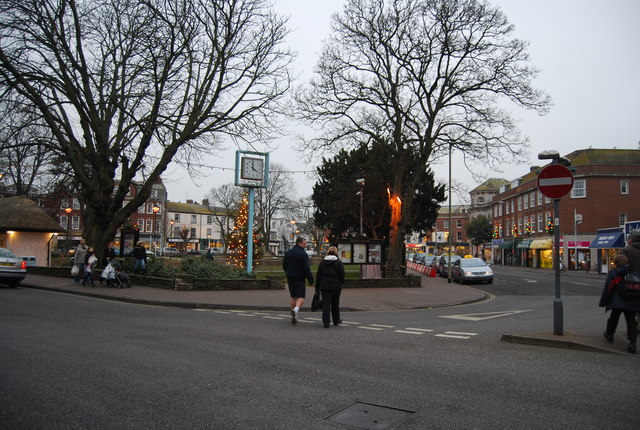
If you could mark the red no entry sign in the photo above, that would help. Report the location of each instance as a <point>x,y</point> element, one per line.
<point>555,181</point>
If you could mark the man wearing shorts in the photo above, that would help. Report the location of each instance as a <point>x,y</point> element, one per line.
<point>297,269</point>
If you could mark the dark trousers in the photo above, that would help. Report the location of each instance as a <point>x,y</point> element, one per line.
<point>630,317</point>
<point>330,306</point>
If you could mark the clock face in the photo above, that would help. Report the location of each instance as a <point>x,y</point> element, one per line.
<point>252,168</point>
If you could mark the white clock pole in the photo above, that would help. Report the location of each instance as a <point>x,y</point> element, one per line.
<point>250,233</point>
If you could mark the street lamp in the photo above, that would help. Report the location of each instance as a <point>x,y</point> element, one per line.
<point>68,211</point>
<point>361,194</point>
<point>293,231</point>
<point>555,158</point>
<point>171,233</point>
<point>155,210</point>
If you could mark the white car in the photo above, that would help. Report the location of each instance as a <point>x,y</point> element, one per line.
<point>169,251</point>
<point>12,269</point>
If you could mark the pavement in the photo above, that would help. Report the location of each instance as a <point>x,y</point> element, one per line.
<point>433,293</point>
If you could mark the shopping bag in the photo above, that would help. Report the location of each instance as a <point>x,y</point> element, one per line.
<point>75,270</point>
<point>316,302</point>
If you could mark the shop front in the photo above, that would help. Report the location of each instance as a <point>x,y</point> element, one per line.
<point>525,254</point>
<point>542,251</point>
<point>608,242</point>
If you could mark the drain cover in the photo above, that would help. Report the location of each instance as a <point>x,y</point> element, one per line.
<point>369,416</point>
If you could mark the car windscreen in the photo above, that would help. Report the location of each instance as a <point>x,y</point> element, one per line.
<point>472,262</point>
<point>4,252</point>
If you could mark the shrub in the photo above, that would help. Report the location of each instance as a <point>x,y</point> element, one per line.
<point>201,267</point>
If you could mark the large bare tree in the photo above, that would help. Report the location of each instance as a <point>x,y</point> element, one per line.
<point>127,86</point>
<point>427,76</point>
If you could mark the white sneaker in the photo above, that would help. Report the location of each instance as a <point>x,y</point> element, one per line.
<point>294,317</point>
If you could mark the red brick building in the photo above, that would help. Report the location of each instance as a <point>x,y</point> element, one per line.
<point>606,193</point>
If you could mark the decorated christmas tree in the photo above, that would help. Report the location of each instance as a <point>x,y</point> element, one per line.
<point>239,235</point>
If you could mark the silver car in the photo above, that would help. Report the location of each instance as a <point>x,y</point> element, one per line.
<point>12,269</point>
<point>471,269</point>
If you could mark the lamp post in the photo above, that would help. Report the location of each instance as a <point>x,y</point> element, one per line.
<point>449,268</point>
<point>361,194</point>
<point>293,232</point>
<point>171,233</point>
<point>555,158</point>
<point>155,210</point>
<point>68,211</point>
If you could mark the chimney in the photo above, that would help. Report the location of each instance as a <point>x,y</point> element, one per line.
<point>189,201</point>
<point>205,203</point>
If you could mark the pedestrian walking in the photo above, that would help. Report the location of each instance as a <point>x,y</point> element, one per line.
<point>330,279</point>
<point>78,259</point>
<point>618,305</point>
<point>297,269</point>
<point>140,254</point>
<point>90,261</point>
<point>632,250</point>
<point>108,258</point>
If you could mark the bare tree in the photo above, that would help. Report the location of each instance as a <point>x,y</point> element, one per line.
<point>428,76</point>
<point>276,198</point>
<point>29,164</point>
<point>127,86</point>
<point>223,201</point>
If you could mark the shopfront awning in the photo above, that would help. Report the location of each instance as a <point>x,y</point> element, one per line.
<point>524,244</point>
<point>545,243</point>
<point>507,244</point>
<point>608,240</point>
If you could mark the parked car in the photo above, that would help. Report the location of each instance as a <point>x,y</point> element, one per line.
<point>443,264</point>
<point>12,269</point>
<point>470,270</point>
<point>215,250</point>
<point>432,261</point>
<point>194,252</point>
<point>410,256</point>
<point>311,253</point>
<point>169,251</point>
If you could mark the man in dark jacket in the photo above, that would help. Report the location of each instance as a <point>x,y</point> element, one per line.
<point>297,269</point>
<point>632,250</point>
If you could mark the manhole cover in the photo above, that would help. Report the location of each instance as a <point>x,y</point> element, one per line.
<point>369,416</point>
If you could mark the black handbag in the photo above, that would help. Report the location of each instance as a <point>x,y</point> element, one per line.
<point>316,302</point>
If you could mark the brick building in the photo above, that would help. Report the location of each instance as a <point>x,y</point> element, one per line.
<point>605,194</point>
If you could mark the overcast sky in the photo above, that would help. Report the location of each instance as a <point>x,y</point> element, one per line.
<point>588,52</point>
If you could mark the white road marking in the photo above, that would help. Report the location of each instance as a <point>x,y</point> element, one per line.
<point>461,333</point>
<point>274,318</point>
<point>408,332</point>
<point>382,325</point>
<point>364,327</point>
<point>419,329</point>
<point>484,315</point>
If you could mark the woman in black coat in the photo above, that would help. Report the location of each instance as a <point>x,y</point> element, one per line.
<point>329,279</point>
<point>611,300</point>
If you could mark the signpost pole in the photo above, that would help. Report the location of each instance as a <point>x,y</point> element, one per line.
<point>557,302</point>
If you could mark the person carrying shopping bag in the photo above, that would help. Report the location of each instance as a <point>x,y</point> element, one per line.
<point>330,279</point>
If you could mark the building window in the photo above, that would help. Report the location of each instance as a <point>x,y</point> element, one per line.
<point>623,218</point>
<point>532,197</point>
<point>526,201</point>
<point>75,222</point>
<point>539,198</point>
<point>76,204</point>
<point>520,203</point>
<point>446,223</point>
<point>499,209</point>
<point>459,223</point>
<point>63,221</point>
<point>579,190</point>
<point>512,206</point>
<point>209,219</point>
<point>193,232</point>
<point>624,186</point>
<point>480,199</point>
<point>149,207</point>
<point>141,225</point>
<point>150,226</point>
<point>177,218</point>
<point>194,219</point>
<point>157,227</point>
<point>208,232</point>
<point>540,223</point>
<point>459,236</point>
<point>509,230</point>
<point>141,209</point>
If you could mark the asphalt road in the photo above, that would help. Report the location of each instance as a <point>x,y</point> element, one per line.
<point>72,362</point>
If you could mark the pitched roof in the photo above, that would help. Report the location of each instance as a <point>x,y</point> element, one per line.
<point>491,184</point>
<point>22,214</point>
<point>188,208</point>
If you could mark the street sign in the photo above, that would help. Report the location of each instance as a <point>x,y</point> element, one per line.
<point>555,181</point>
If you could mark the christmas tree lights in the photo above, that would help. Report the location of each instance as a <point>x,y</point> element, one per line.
<point>550,225</point>
<point>239,236</point>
